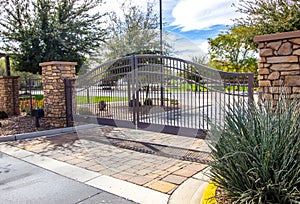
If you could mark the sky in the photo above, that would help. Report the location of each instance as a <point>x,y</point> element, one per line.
<point>191,22</point>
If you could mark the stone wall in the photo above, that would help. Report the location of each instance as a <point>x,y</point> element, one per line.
<point>9,95</point>
<point>279,67</point>
<point>53,75</point>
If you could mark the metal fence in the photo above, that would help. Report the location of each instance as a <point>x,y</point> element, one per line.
<point>31,95</point>
<point>159,93</point>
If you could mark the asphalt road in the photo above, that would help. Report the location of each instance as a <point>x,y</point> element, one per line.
<point>21,182</point>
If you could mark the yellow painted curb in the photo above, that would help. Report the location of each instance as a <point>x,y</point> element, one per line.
<point>209,194</point>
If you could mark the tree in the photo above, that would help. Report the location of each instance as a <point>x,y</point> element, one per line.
<point>268,16</point>
<point>200,59</point>
<point>192,73</point>
<point>2,67</point>
<point>231,51</point>
<point>36,31</point>
<point>134,30</point>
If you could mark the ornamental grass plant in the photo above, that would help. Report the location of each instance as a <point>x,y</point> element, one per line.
<point>256,153</point>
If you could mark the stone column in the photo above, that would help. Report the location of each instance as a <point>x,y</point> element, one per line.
<point>53,75</point>
<point>9,95</point>
<point>279,68</point>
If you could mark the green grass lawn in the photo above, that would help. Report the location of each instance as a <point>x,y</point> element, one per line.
<point>82,99</point>
<point>96,99</point>
<point>235,88</point>
<point>193,87</point>
<point>37,97</point>
<point>186,87</point>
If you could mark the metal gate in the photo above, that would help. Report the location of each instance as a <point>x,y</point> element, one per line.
<point>159,93</point>
<point>31,94</point>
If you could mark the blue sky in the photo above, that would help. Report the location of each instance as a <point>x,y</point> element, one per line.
<point>198,20</point>
<point>192,20</point>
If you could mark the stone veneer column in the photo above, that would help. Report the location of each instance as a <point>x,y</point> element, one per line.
<point>53,75</point>
<point>279,68</point>
<point>9,95</point>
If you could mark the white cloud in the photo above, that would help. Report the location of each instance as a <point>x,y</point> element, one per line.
<point>115,5</point>
<point>203,44</point>
<point>183,47</point>
<point>199,15</point>
<point>188,15</point>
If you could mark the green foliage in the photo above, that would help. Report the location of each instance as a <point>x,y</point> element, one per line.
<point>3,115</point>
<point>134,30</point>
<point>232,51</point>
<point>193,73</point>
<point>37,31</point>
<point>187,87</point>
<point>97,99</point>
<point>24,77</point>
<point>200,59</point>
<point>38,97</point>
<point>174,101</point>
<point>256,154</point>
<point>2,67</point>
<point>148,102</point>
<point>268,16</point>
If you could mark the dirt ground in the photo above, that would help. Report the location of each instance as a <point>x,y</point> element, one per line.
<point>20,124</point>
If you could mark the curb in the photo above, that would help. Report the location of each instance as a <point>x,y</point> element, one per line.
<point>47,133</point>
<point>209,194</point>
<point>191,191</point>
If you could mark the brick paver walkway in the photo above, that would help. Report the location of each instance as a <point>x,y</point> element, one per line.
<point>144,158</point>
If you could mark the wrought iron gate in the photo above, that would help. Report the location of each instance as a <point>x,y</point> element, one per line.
<point>159,93</point>
<point>31,94</point>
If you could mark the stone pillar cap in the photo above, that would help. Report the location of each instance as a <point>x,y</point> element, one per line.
<point>9,77</point>
<point>277,36</point>
<point>43,64</point>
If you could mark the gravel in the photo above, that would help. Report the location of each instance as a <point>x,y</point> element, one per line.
<point>222,197</point>
<point>20,124</point>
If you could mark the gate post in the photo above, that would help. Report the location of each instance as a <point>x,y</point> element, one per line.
<point>53,75</point>
<point>279,65</point>
<point>70,98</point>
<point>9,95</point>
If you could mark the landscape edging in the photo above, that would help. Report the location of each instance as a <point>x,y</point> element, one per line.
<point>47,133</point>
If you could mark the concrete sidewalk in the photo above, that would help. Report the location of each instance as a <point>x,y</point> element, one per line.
<point>142,166</point>
<point>22,182</point>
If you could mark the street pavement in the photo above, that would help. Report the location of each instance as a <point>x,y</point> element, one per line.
<point>22,182</point>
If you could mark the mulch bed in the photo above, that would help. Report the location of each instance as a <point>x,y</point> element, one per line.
<point>221,197</point>
<point>20,124</point>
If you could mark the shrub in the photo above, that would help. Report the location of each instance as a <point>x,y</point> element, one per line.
<point>256,153</point>
<point>174,102</point>
<point>102,105</point>
<point>148,102</point>
<point>134,102</point>
<point>3,115</point>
